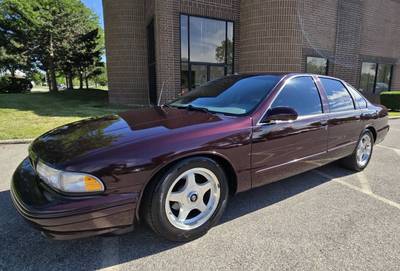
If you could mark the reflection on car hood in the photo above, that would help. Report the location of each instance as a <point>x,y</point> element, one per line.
<point>97,134</point>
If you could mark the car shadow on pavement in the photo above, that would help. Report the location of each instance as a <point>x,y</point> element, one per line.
<point>23,247</point>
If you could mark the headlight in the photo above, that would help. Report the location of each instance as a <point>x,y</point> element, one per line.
<point>70,182</point>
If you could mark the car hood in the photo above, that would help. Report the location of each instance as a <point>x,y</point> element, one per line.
<point>87,137</point>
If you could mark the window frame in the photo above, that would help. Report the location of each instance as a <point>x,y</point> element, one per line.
<point>207,64</point>
<point>313,56</point>
<point>355,92</point>
<point>316,87</point>
<point>377,64</point>
<point>355,107</point>
<point>281,86</point>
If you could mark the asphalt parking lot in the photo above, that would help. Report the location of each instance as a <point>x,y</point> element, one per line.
<point>326,219</point>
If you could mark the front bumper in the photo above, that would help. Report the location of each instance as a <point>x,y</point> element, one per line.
<point>63,217</point>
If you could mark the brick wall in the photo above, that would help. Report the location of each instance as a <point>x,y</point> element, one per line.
<point>167,14</point>
<point>348,37</point>
<point>380,33</point>
<point>270,36</point>
<point>318,20</point>
<point>125,37</point>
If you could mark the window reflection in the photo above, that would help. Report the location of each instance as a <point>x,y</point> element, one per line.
<point>207,40</point>
<point>317,65</point>
<point>216,72</point>
<point>236,94</point>
<point>383,78</point>
<point>184,78</point>
<point>207,51</point>
<point>229,42</point>
<point>302,95</point>
<point>375,78</point>
<point>184,38</point>
<point>338,96</point>
<point>199,75</point>
<point>367,81</point>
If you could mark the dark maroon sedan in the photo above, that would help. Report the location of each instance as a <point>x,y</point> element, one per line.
<point>174,166</point>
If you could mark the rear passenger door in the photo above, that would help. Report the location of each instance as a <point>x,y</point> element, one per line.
<point>343,118</point>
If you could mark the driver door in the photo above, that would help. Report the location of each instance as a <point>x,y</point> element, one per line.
<point>284,148</point>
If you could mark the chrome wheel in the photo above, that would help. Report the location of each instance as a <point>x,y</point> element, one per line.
<point>364,150</point>
<point>192,198</point>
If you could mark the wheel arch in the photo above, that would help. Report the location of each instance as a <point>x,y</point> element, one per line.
<point>372,130</point>
<point>155,177</point>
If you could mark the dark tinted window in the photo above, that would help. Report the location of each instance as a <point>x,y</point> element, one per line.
<point>236,94</point>
<point>375,77</point>
<point>383,78</point>
<point>338,96</point>
<point>317,65</point>
<point>367,80</point>
<point>302,95</point>
<point>358,98</point>
<point>207,50</point>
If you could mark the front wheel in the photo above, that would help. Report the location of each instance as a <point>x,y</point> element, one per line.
<point>188,199</point>
<point>361,156</point>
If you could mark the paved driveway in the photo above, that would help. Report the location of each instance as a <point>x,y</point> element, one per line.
<point>326,219</point>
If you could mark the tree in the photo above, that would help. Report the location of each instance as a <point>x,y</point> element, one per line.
<point>99,75</point>
<point>48,31</point>
<point>13,54</point>
<point>220,51</point>
<point>87,55</point>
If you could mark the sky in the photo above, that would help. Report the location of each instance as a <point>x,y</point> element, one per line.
<point>97,7</point>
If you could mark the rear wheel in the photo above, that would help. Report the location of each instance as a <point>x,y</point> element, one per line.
<point>188,199</point>
<point>361,156</point>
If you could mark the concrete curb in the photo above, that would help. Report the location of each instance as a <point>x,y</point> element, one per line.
<point>394,117</point>
<point>15,141</point>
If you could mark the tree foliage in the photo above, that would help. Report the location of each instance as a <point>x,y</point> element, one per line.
<point>57,36</point>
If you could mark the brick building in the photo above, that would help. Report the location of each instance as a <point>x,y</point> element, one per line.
<point>176,45</point>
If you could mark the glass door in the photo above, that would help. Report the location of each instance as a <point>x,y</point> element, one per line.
<point>201,73</point>
<point>215,72</point>
<point>198,75</point>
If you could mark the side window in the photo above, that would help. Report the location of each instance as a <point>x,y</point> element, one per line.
<point>359,99</point>
<point>338,96</point>
<point>302,95</point>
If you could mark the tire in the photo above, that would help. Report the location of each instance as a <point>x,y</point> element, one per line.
<point>197,182</point>
<point>353,161</point>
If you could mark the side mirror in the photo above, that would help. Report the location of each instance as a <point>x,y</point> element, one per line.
<point>280,113</point>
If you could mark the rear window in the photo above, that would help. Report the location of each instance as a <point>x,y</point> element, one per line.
<point>338,96</point>
<point>361,102</point>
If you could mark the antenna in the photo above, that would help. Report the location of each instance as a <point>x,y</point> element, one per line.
<point>161,92</point>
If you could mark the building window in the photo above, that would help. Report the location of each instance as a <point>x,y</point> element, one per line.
<point>206,50</point>
<point>375,78</point>
<point>317,65</point>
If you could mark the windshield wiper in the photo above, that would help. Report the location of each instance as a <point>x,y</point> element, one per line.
<point>195,108</point>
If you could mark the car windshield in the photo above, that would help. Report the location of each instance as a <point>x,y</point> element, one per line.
<point>234,95</point>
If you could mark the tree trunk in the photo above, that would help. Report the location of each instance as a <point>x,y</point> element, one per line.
<point>66,81</point>
<point>52,70</point>
<point>70,82</point>
<point>53,80</point>
<point>87,82</point>
<point>48,80</point>
<point>80,80</point>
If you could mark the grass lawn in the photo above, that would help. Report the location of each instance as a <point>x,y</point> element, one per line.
<point>394,114</point>
<point>31,114</point>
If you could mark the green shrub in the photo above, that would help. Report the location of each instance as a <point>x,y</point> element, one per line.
<point>391,99</point>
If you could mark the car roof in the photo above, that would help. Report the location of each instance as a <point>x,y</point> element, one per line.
<point>287,74</point>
